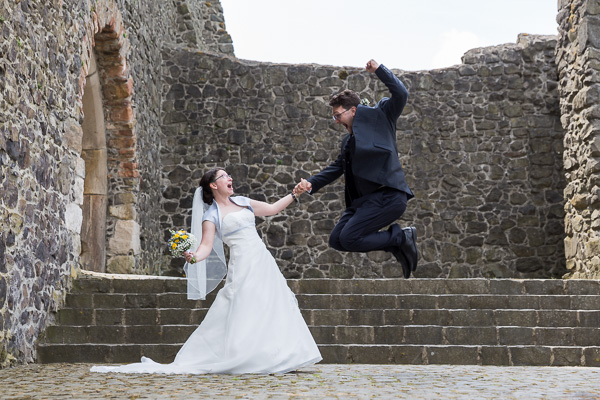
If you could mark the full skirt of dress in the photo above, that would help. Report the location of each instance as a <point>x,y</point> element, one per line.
<point>253,326</point>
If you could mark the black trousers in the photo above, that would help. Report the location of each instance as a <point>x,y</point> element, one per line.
<point>359,227</point>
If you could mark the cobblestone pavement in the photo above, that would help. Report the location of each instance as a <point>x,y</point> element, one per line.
<point>74,381</point>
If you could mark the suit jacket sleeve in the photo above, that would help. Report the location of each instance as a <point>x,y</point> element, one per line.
<point>329,174</point>
<point>393,106</point>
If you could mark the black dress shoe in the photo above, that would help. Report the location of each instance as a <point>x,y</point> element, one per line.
<point>397,252</point>
<point>409,247</point>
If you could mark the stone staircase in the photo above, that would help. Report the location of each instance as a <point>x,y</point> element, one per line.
<point>117,319</point>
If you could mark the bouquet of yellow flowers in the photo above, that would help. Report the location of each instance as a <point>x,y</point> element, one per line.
<point>180,242</point>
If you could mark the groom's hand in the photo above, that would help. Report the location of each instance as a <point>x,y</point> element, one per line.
<point>302,187</point>
<point>372,65</point>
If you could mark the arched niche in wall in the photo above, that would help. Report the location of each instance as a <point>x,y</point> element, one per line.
<point>93,230</point>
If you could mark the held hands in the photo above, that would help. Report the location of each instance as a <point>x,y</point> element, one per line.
<point>372,65</point>
<point>302,187</point>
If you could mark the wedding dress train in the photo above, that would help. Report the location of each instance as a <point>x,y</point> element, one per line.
<point>254,324</point>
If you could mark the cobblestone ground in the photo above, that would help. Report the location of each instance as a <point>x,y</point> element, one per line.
<point>74,381</point>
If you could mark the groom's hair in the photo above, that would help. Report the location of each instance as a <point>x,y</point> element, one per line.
<point>347,99</point>
<point>208,177</point>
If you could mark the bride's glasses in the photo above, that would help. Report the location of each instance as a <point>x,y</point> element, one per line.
<point>222,176</point>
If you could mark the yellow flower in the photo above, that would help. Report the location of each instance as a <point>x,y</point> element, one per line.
<point>174,246</point>
<point>184,236</point>
<point>176,235</point>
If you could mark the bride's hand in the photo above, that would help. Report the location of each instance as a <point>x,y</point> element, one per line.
<point>189,255</point>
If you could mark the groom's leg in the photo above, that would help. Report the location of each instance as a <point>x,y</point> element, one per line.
<point>360,231</point>
<point>334,236</point>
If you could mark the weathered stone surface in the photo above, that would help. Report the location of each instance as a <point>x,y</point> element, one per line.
<point>126,238</point>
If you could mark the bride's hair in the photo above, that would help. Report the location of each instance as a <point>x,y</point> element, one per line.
<point>205,181</point>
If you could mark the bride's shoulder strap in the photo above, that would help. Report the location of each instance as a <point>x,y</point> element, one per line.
<point>242,201</point>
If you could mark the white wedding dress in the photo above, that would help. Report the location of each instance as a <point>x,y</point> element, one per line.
<point>254,325</point>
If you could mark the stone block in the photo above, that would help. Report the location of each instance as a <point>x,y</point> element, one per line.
<point>86,286</point>
<point>73,135</point>
<point>323,334</point>
<point>74,316</point>
<point>586,336</point>
<point>108,334</point>
<point>473,317</point>
<point>176,333</point>
<point>127,353</point>
<point>123,211</point>
<point>386,334</point>
<point>101,300</point>
<point>588,318</point>
<point>592,356</point>
<point>511,336</point>
<point>334,317</point>
<point>142,285</point>
<point>143,334</point>
<point>567,356</point>
<point>557,318</point>
<point>584,302</point>
<point>126,238</point>
<point>470,335</point>
<point>378,354</point>
<point>423,335</point>
<point>455,355</point>
<point>81,353</point>
<point>76,300</point>
<point>334,354</point>
<point>108,316</point>
<point>550,336</point>
<point>582,287</point>
<point>531,355</point>
<point>397,317</point>
<point>179,300</point>
<point>136,300</point>
<point>555,303</point>
<point>356,335</point>
<point>494,355</point>
<point>121,265</point>
<point>506,286</point>
<point>544,287</point>
<point>73,217</point>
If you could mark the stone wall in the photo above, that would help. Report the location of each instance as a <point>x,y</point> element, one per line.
<point>578,59</point>
<point>201,25</point>
<point>481,144</point>
<point>46,49</point>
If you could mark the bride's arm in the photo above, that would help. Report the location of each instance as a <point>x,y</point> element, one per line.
<point>206,244</point>
<point>262,209</point>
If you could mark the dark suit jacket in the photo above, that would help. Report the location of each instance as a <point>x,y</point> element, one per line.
<point>375,157</point>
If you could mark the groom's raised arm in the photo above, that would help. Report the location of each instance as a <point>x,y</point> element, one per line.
<point>392,107</point>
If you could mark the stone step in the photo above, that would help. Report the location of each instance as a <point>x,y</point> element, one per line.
<point>361,335</point>
<point>344,354</point>
<point>352,301</point>
<point>374,317</point>
<point>457,317</point>
<point>95,283</point>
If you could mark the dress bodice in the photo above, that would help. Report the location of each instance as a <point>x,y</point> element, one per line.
<point>239,228</point>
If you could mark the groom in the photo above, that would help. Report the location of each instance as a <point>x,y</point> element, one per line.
<point>375,190</point>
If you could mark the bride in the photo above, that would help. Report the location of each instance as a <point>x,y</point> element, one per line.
<point>254,325</point>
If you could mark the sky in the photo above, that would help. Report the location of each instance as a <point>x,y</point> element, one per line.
<point>404,34</point>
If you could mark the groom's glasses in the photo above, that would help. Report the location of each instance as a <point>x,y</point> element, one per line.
<point>336,117</point>
<point>222,176</point>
